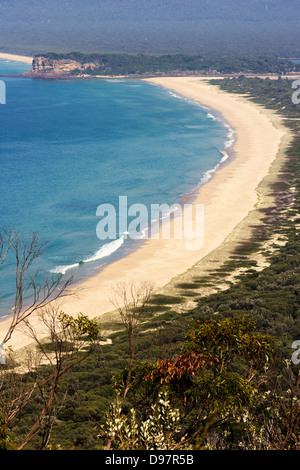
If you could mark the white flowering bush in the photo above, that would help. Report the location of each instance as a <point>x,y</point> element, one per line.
<point>157,432</point>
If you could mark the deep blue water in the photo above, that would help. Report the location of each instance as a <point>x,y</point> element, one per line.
<point>68,146</point>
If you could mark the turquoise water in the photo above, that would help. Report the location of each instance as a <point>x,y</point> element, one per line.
<point>69,146</point>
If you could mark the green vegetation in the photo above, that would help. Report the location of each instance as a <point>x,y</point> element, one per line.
<point>201,381</point>
<point>225,364</point>
<point>126,64</point>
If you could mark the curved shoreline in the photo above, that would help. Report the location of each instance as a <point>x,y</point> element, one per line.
<point>187,197</point>
<point>228,198</point>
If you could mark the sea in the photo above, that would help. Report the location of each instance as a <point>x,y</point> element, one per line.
<point>69,146</point>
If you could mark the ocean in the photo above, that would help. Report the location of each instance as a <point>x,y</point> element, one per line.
<point>68,146</point>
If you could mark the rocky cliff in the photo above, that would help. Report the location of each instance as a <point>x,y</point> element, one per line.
<point>45,67</point>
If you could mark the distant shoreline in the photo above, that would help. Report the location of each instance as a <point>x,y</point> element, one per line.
<point>16,58</point>
<point>65,75</point>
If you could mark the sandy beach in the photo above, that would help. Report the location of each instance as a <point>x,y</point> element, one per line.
<point>17,58</point>
<point>227,198</point>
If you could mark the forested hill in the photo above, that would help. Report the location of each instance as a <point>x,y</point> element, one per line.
<point>206,27</point>
<point>77,63</point>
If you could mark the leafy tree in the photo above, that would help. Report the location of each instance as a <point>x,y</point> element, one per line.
<point>213,379</point>
<point>70,341</point>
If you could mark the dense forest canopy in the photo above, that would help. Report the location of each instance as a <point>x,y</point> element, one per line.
<point>139,64</point>
<point>209,27</point>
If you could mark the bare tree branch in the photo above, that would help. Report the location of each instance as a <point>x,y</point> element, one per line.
<point>7,239</point>
<point>38,294</point>
<point>130,299</point>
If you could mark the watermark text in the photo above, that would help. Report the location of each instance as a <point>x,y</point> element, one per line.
<point>296,94</point>
<point>296,354</point>
<point>2,92</point>
<point>161,221</point>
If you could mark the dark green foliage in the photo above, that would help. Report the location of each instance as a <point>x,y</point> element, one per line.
<point>215,375</point>
<point>128,64</point>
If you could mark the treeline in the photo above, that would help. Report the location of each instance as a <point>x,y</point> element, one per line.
<point>127,64</point>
